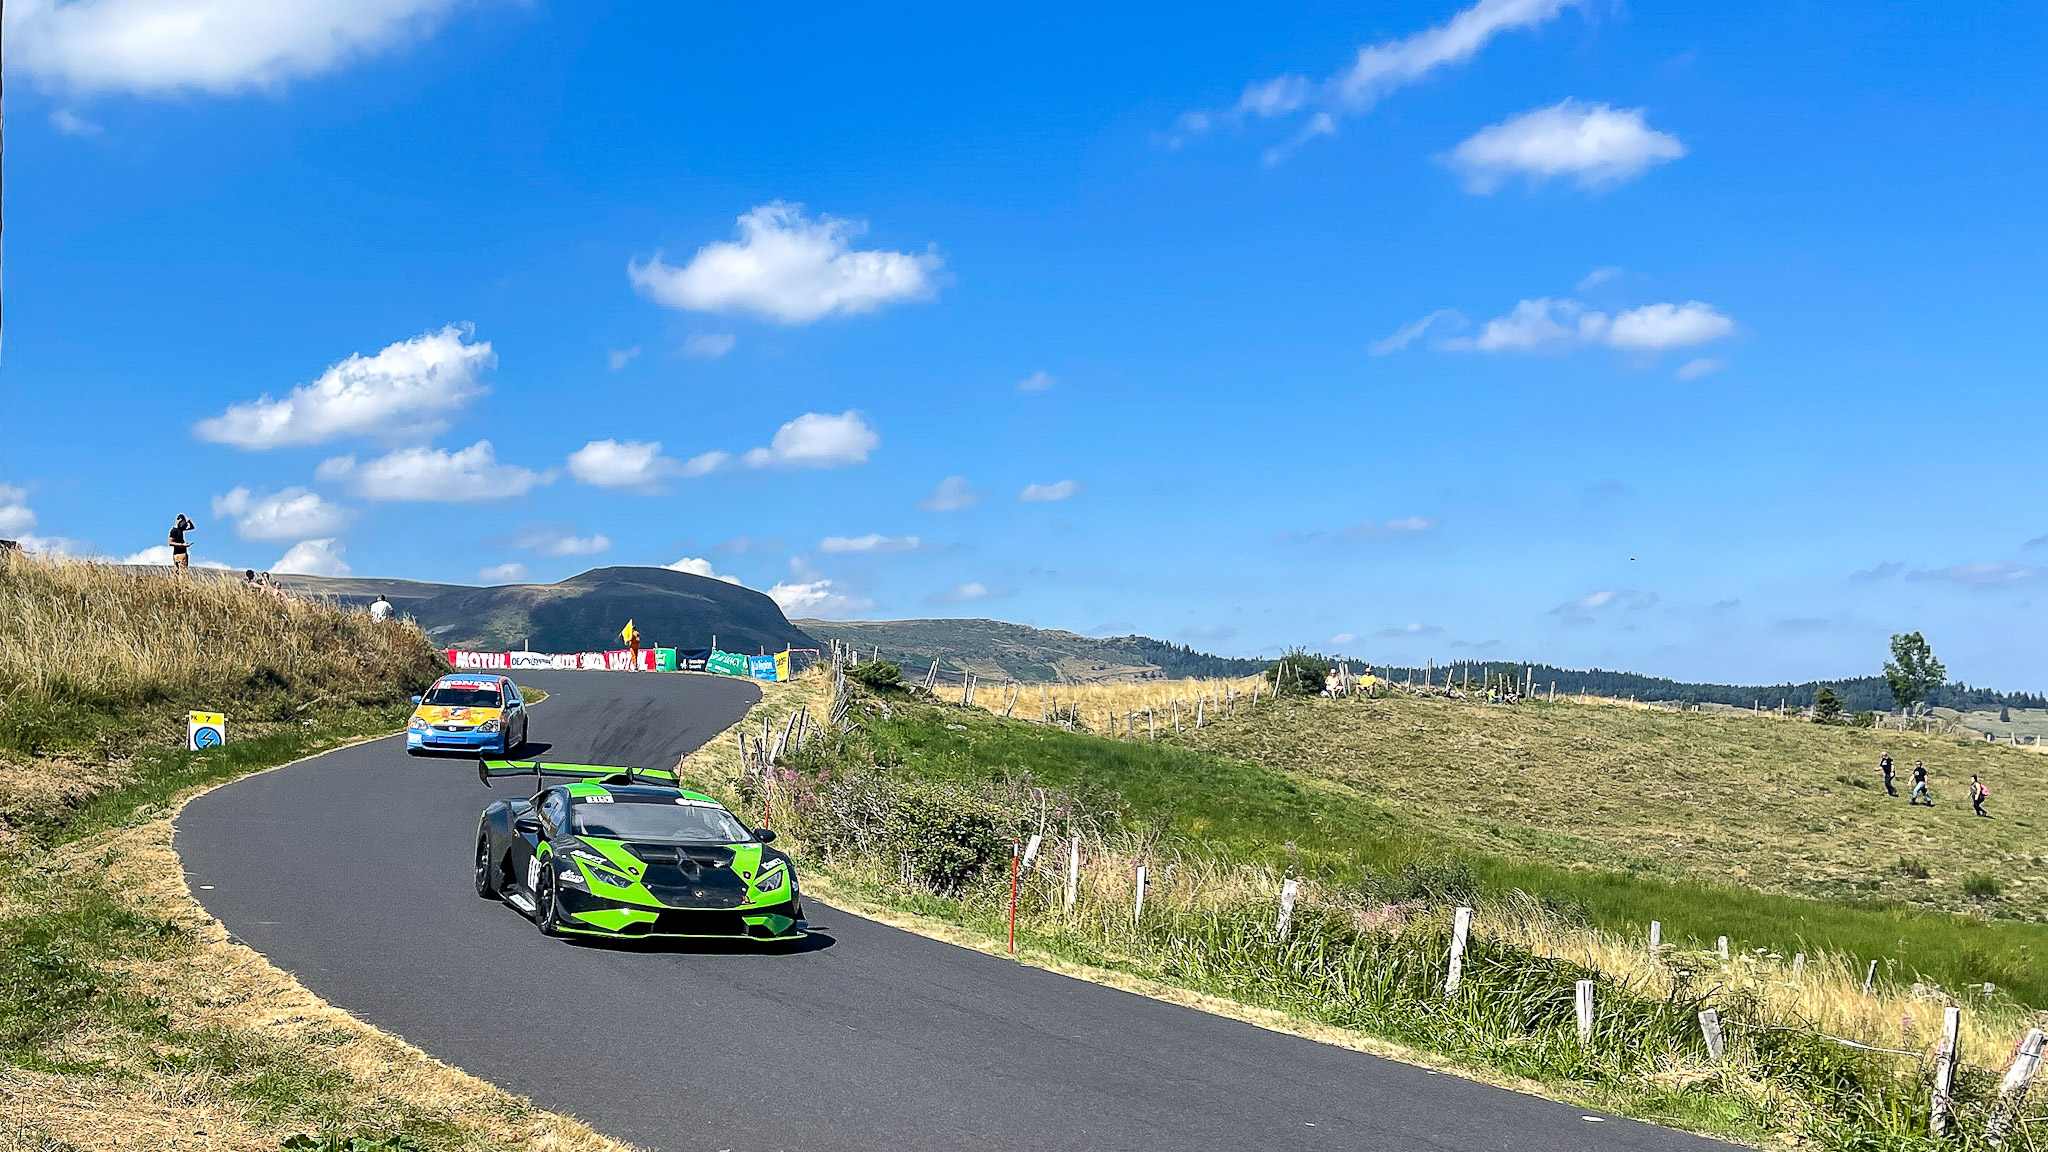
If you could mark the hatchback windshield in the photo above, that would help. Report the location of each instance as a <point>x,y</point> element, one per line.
<point>656,819</point>
<point>447,696</point>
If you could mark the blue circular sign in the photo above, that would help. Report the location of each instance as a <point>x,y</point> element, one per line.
<point>206,738</point>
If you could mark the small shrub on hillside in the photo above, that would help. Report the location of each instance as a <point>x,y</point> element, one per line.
<point>1827,706</point>
<point>1980,884</point>
<point>1299,674</point>
<point>942,836</point>
<point>1445,880</point>
<point>1912,868</point>
<point>879,675</point>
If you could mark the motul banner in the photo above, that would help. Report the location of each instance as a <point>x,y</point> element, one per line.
<point>463,659</point>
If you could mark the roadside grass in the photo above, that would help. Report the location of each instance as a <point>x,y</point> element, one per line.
<point>128,1017</point>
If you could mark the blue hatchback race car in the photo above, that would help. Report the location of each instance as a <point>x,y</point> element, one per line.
<point>468,713</point>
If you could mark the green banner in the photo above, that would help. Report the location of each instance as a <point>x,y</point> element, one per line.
<point>665,660</point>
<point>727,664</point>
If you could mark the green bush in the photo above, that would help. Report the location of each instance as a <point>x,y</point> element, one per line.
<point>942,836</point>
<point>1441,881</point>
<point>1911,867</point>
<point>1981,884</point>
<point>879,675</point>
<point>1299,674</point>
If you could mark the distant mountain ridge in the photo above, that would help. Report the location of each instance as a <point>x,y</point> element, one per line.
<point>580,614</point>
<point>994,649</point>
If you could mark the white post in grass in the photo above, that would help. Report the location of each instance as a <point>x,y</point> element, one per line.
<point>2012,1095</point>
<point>1710,1029</point>
<point>1656,935</point>
<point>1176,715</point>
<point>1798,965</point>
<point>1945,1072</point>
<point>1199,702</point>
<point>1073,871</point>
<point>1584,997</point>
<point>1461,928</point>
<point>1138,907</point>
<point>1289,889</point>
<point>1722,948</point>
<point>1151,724</point>
<point>1869,977</point>
<point>1031,849</point>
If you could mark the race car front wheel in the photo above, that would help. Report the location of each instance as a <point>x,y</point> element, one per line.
<point>548,910</point>
<point>486,868</point>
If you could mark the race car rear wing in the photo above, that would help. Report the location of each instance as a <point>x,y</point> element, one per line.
<point>487,770</point>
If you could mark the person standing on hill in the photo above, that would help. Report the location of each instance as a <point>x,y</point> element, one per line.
<point>631,636</point>
<point>1920,793</point>
<point>181,552</point>
<point>1977,794</point>
<point>1891,774</point>
<point>380,609</point>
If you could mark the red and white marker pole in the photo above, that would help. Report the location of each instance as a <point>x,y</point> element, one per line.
<point>1016,865</point>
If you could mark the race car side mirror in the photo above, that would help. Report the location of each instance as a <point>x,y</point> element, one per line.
<point>763,835</point>
<point>415,699</point>
<point>527,825</point>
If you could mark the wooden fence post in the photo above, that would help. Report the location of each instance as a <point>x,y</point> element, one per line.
<point>1584,997</point>
<point>1722,947</point>
<point>1944,1072</point>
<point>1031,849</point>
<point>1869,977</point>
<point>2012,1095</point>
<point>1138,907</point>
<point>1289,889</point>
<point>1151,724</point>
<point>1710,1030</point>
<point>1461,927</point>
<point>1073,871</point>
<point>1199,701</point>
<point>1798,965</point>
<point>1176,715</point>
<point>1656,935</point>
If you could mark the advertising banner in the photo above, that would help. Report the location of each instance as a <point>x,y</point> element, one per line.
<point>665,660</point>
<point>726,663</point>
<point>782,665</point>
<point>466,660</point>
<point>693,659</point>
<point>761,667</point>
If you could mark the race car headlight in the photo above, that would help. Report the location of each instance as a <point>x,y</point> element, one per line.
<point>609,877</point>
<point>488,726</point>
<point>772,880</point>
<point>416,725</point>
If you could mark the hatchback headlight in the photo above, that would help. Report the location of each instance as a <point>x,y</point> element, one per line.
<point>773,879</point>
<point>488,726</point>
<point>416,724</point>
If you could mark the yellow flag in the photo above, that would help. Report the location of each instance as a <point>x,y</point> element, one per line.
<point>628,634</point>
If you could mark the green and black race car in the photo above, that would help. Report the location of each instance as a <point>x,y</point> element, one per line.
<point>625,852</point>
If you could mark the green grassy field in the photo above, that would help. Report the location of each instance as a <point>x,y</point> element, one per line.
<point>1618,812</point>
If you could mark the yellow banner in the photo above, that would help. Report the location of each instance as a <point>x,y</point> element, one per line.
<point>782,665</point>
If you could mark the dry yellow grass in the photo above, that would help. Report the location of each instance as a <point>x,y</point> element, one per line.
<point>1115,706</point>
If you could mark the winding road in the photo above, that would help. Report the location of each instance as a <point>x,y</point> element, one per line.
<point>352,872</point>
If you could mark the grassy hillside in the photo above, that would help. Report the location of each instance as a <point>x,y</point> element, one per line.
<point>993,649</point>
<point>128,1017</point>
<point>582,613</point>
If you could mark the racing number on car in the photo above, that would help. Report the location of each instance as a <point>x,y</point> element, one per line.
<point>533,873</point>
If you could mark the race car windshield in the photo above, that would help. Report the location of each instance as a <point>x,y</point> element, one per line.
<point>656,820</point>
<point>444,696</point>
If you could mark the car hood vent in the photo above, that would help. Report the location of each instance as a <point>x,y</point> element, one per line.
<point>701,855</point>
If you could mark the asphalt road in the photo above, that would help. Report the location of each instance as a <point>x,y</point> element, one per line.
<point>352,872</point>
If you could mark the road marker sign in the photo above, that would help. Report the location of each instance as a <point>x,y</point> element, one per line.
<point>205,730</point>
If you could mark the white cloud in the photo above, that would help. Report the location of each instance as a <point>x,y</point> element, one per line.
<point>1996,574</point>
<point>952,494</point>
<point>1581,611</point>
<point>1377,70</point>
<point>1598,145</point>
<point>705,464</point>
<point>72,124</point>
<point>619,358</point>
<point>407,390</point>
<point>65,546</point>
<point>558,540</point>
<point>1700,366</point>
<point>511,573</point>
<point>1556,325</point>
<point>1047,493</point>
<point>432,475</point>
<point>815,597</point>
<point>1038,381</point>
<point>967,593</point>
<point>1660,327</point>
<point>816,440</point>
<point>1409,333</point>
<point>313,558</point>
<point>1343,638</point>
<point>1409,631</point>
<point>161,47</point>
<point>293,514</point>
<point>873,542</point>
<point>787,268</point>
<point>696,566</point>
<point>1412,524</point>
<point>709,345</point>
<point>621,464</point>
<point>1597,277</point>
<point>158,554</point>
<point>16,517</point>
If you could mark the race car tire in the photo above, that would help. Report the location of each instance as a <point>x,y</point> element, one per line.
<point>486,868</point>
<point>548,915</point>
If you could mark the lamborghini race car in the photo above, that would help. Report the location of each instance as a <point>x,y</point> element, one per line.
<point>624,852</point>
<point>469,713</point>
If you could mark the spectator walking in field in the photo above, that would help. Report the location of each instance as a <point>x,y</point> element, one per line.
<point>1977,794</point>
<point>181,552</point>
<point>1920,793</point>
<point>1891,774</point>
<point>380,609</point>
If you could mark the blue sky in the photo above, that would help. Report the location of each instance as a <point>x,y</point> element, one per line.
<point>1109,318</point>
